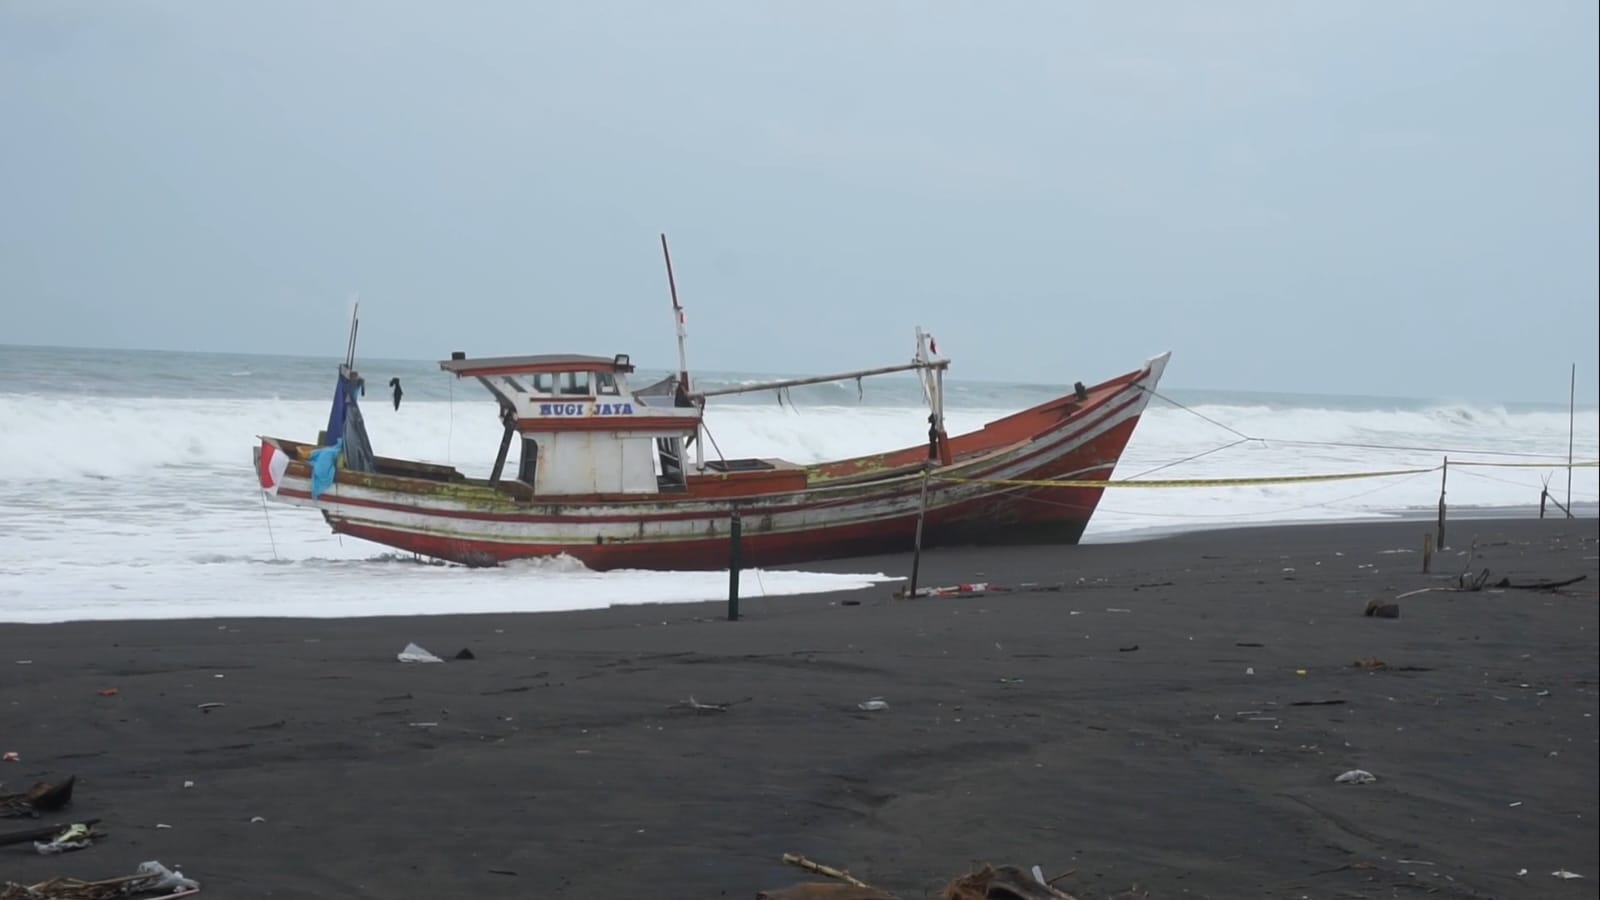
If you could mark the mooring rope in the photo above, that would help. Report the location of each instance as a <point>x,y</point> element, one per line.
<point>1352,445</point>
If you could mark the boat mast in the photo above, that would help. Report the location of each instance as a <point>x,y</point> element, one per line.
<point>677,318</point>
<point>355,325</point>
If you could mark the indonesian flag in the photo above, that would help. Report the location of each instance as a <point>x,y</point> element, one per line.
<point>274,463</point>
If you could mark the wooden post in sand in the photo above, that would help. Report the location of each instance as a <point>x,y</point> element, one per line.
<point>1442,478</point>
<point>1427,552</point>
<point>916,546</point>
<point>735,530</point>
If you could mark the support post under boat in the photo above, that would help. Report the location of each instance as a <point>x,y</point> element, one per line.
<point>735,538</point>
<point>916,547</point>
<point>505,447</point>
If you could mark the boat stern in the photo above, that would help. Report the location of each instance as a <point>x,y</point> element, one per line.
<point>282,473</point>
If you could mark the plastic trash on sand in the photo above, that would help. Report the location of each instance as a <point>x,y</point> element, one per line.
<point>153,876</point>
<point>74,837</point>
<point>413,653</point>
<point>1357,776</point>
<point>873,704</point>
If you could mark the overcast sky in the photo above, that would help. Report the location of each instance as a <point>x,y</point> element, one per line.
<point>1334,196</point>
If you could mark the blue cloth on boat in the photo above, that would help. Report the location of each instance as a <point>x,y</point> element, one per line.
<point>323,462</point>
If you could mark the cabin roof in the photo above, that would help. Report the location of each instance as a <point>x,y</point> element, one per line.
<point>550,362</point>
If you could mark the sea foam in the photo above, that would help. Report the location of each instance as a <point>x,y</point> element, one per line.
<point>135,506</point>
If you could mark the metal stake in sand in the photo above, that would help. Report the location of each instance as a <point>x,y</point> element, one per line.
<point>735,531</point>
<point>1427,553</point>
<point>1442,478</point>
<point>1572,414</point>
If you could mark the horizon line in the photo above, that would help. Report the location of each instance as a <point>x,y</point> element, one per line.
<point>672,368</point>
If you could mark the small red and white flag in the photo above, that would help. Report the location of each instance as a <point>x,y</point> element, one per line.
<point>274,463</point>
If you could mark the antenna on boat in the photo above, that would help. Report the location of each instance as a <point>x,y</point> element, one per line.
<point>677,317</point>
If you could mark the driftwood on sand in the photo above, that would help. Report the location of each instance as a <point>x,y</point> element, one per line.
<point>988,883</point>
<point>153,881</point>
<point>73,889</point>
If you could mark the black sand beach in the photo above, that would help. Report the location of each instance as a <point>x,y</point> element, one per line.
<point>1143,727</point>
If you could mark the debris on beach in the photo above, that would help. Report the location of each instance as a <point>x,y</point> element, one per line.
<point>980,588</point>
<point>987,883</point>
<point>151,881</point>
<point>415,654</point>
<point>42,797</point>
<point>73,837</point>
<point>1387,609</point>
<point>46,834</point>
<point>873,704</point>
<point>698,707</point>
<point>1003,883</point>
<point>1545,585</point>
<point>1356,776</point>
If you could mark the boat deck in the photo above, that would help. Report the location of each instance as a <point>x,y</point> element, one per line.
<point>722,478</point>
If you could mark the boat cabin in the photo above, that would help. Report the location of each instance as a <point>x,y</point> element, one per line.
<point>584,430</point>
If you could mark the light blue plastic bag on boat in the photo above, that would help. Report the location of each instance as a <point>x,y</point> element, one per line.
<point>324,460</point>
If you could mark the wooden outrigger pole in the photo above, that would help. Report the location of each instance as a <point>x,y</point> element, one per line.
<point>821,379</point>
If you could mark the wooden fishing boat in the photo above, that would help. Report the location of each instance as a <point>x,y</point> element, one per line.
<point>605,475</point>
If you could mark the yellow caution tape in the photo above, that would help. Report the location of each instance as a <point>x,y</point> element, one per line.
<point>1586,464</point>
<point>1247,482</point>
<point>1190,482</point>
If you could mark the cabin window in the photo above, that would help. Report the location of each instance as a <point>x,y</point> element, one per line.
<point>605,383</point>
<point>575,383</point>
<point>544,383</point>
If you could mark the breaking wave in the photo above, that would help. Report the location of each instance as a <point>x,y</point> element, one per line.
<point>136,499</point>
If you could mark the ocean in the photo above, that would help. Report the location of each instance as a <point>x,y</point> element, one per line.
<point>126,487</point>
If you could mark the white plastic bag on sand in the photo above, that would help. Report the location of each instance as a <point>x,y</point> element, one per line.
<point>413,653</point>
<point>163,878</point>
<point>1357,776</point>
